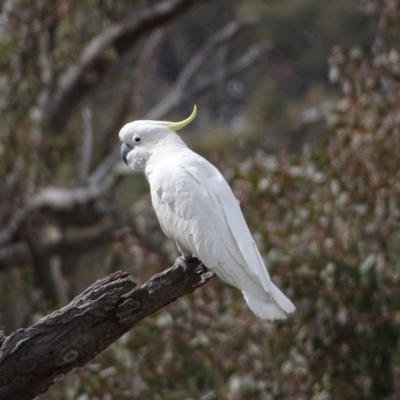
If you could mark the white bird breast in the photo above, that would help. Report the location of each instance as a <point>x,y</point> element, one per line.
<point>137,158</point>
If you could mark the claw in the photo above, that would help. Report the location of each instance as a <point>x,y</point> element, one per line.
<point>185,261</point>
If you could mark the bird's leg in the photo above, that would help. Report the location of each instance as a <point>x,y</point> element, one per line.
<point>192,263</point>
<point>183,261</point>
<point>186,258</point>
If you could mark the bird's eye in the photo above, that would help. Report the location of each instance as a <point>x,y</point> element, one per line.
<point>137,139</point>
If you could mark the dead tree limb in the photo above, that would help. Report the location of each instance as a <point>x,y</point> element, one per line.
<point>34,358</point>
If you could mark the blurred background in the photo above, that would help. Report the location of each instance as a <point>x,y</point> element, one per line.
<point>298,107</point>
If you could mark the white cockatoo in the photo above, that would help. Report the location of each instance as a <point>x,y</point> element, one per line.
<point>197,209</point>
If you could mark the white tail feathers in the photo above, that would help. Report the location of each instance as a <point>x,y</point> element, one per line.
<point>277,309</point>
<point>282,301</point>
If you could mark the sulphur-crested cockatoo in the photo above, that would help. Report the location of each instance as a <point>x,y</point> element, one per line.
<point>197,209</point>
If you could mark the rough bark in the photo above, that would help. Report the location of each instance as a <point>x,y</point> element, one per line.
<point>34,358</point>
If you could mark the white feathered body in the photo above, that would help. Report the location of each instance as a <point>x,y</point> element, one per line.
<point>196,208</point>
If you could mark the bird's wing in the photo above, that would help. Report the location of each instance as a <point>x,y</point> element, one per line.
<point>242,242</point>
<point>185,209</point>
<point>196,207</point>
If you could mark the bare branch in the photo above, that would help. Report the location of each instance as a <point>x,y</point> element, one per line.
<point>54,198</point>
<point>32,359</point>
<point>192,67</point>
<point>76,243</point>
<point>120,37</point>
<point>256,53</point>
<point>147,58</point>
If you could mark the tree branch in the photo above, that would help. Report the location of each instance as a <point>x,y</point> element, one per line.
<point>17,253</point>
<point>57,199</point>
<point>74,84</point>
<point>34,358</point>
<point>219,38</point>
<point>255,53</point>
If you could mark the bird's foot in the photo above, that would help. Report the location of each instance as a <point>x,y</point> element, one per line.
<point>186,261</point>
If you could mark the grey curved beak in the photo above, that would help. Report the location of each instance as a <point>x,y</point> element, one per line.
<point>125,149</point>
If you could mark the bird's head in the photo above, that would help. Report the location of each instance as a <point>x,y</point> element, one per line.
<point>139,138</point>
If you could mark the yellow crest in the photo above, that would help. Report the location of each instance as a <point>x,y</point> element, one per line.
<point>175,126</point>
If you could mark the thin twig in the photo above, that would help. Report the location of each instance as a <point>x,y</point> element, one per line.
<point>192,67</point>
<point>256,53</point>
